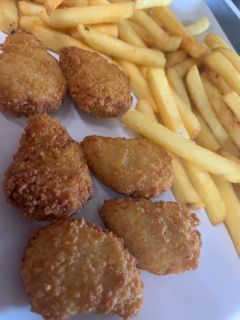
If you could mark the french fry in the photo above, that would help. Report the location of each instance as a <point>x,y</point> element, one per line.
<point>160,37</point>
<point>162,94</point>
<point>128,34</point>
<point>175,27</point>
<point>144,71</point>
<point>121,49</point>
<point>51,5</point>
<point>232,219</point>
<point>138,83</point>
<point>27,22</point>
<point>144,4</point>
<point>177,83</point>
<point>232,100</point>
<point>99,2</point>
<point>222,111</point>
<point>214,41</point>
<point>184,148</point>
<point>68,3</point>
<point>208,190</point>
<point>110,29</point>
<point>222,66</point>
<point>8,15</point>
<point>143,34</point>
<point>221,84</point>
<point>71,17</point>
<point>145,107</point>
<point>183,67</point>
<point>232,56</point>
<point>201,102</point>
<point>173,58</point>
<point>205,138</point>
<point>29,9</point>
<point>198,27</point>
<point>189,119</point>
<point>55,40</point>
<point>229,156</point>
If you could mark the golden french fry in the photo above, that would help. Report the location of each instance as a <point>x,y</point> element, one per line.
<point>55,40</point>
<point>222,66</point>
<point>229,156</point>
<point>183,67</point>
<point>121,49</point>
<point>71,17</point>
<point>138,83</point>
<point>177,83</point>
<point>189,119</point>
<point>8,15</point>
<point>232,219</point>
<point>198,27</point>
<point>68,3</point>
<point>222,111</point>
<point>205,138</point>
<point>128,34</point>
<point>173,58</point>
<point>29,9</point>
<point>142,33</point>
<point>184,148</point>
<point>214,41</point>
<point>144,106</point>
<point>51,5</point>
<point>175,27</point>
<point>201,102</point>
<point>232,56</point>
<point>110,29</point>
<point>99,2</point>
<point>161,39</point>
<point>27,22</point>
<point>144,71</point>
<point>221,84</point>
<point>144,4</point>
<point>162,94</point>
<point>232,100</point>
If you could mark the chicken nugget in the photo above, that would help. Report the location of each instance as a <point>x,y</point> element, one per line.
<point>162,236</point>
<point>31,81</point>
<point>134,167</point>
<point>48,177</point>
<point>97,86</point>
<point>71,267</point>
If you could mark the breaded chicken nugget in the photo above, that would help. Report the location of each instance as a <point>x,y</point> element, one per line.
<point>31,80</point>
<point>134,167</point>
<point>96,85</point>
<point>71,267</point>
<point>160,235</point>
<point>48,177</point>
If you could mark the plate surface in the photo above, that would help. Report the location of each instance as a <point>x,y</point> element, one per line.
<point>210,293</point>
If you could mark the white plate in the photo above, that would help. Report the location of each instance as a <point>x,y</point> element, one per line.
<point>210,293</point>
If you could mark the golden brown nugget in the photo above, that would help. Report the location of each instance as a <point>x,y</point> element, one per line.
<point>134,167</point>
<point>71,267</point>
<point>31,81</point>
<point>162,236</point>
<point>96,85</point>
<point>48,177</point>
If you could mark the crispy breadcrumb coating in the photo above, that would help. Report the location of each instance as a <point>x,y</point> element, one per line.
<point>134,167</point>
<point>31,81</point>
<point>97,86</point>
<point>48,177</point>
<point>71,267</point>
<point>162,236</point>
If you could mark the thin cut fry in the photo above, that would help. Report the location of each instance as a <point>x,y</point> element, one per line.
<point>177,83</point>
<point>198,27</point>
<point>221,65</point>
<point>175,27</point>
<point>70,17</point>
<point>184,148</point>
<point>232,100</point>
<point>221,84</point>
<point>162,94</point>
<point>215,41</point>
<point>183,67</point>
<point>121,49</point>
<point>176,57</point>
<point>145,107</point>
<point>29,8</point>
<point>232,56</point>
<point>8,15</point>
<point>143,34</point>
<point>51,5</point>
<point>144,4</point>
<point>128,34</point>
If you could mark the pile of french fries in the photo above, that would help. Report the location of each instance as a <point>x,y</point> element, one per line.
<point>188,92</point>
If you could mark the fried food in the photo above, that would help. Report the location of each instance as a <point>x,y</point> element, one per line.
<point>48,178</point>
<point>134,167</point>
<point>71,267</point>
<point>160,235</point>
<point>96,85</point>
<point>31,81</point>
